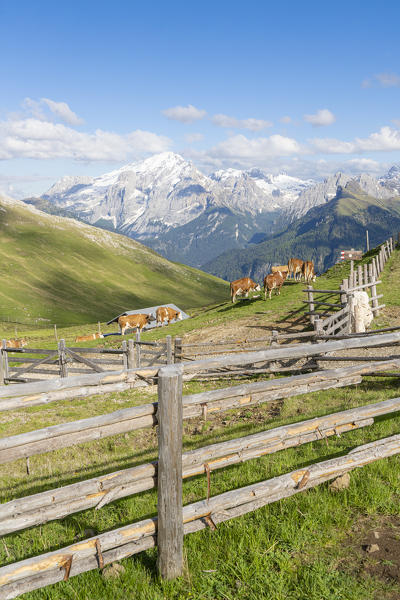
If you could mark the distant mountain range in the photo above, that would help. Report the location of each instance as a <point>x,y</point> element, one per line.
<point>187,216</point>
<point>340,223</point>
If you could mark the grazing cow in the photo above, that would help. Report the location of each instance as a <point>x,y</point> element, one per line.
<point>274,281</point>
<point>167,314</point>
<point>295,266</point>
<point>16,343</point>
<point>87,338</point>
<point>308,271</point>
<point>243,286</point>
<point>281,268</point>
<point>133,322</point>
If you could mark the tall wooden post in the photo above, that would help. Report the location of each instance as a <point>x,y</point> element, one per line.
<point>360,275</point>
<point>318,328</point>
<point>124,348</point>
<point>2,381</point>
<point>367,241</point>
<point>131,354</point>
<point>343,291</point>
<point>168,341</point>
<point>169,476</point>
<point>62,358</point>
<point>365,266</point>
<point>351,277</point>
<point>350,325</point>
<point>371,273</point>
<point>5,360</point>
<point>310,298</point>
<point>138,349</point>
<point>178,350</point>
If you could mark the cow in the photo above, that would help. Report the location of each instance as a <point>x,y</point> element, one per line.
<point>16,343</point>
<point>295,266</point>
<point>165,313</point>
<point>243,286</point>
<point>87,338</point>
<point>274,281</point>
<point>281,268</point>
<point>133,322</point>
<point>308,271</point>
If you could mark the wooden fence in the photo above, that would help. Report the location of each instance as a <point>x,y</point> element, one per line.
<point>173,521</point>
<point>22,365</point>
<point>330,311</point>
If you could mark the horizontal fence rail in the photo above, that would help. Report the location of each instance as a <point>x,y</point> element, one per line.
<point>98,551</point>
<point>173,520</point>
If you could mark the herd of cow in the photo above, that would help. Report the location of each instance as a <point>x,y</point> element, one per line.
<point>296,268</point>
<point>164,314</point>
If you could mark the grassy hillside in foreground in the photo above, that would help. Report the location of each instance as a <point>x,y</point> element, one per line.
<point>308,547</point>
<point>63,271</point>
<point>319,236</point>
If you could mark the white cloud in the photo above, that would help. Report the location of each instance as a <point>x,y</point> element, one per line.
<point>286,119</point>
<point>386,139</point>
<point>241,147</point>
<point>34,138</point>
<point>396,122</point>
<point>63,111</point>
<point>388,79</point>
<point>194,137</point>
<point>383,80</point>
<point>184,114</point>
<point>252,124</point>
<point>40,110</point>
<point>321,118</point>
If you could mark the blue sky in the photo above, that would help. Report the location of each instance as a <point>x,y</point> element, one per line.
<point>308,88</point>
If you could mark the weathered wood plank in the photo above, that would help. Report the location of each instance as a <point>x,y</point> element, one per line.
<point>55,504</point>
<point>39,571</point>
<point>170,520</point>
<point>291,351</point>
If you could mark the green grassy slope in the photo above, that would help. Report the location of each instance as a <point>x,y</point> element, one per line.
<point>308,547</point>
<point>58,269</point>
<point>319,235</point>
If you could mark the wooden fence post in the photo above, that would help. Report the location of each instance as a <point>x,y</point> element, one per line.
<point>168,341</point>
<point>365,273</point>
<point>351,282</point>
<point>274,339</point>
<point>310,297</point>
<point>5,360</point>
<point>350,325</point>
<point>2,378</point>
<point>343,296</point>
<point>169,475</point>
<point>138,349</point>
<point>371,273</point>
<point>318,327</point>
<point>62,358</point>
<point>131,354</point>
<point>360,275</point>
<point>124,348</point>
<point>178,350</point>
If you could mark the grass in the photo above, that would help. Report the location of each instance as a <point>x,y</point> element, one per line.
<point>54,270</point>
<point>296,549</point>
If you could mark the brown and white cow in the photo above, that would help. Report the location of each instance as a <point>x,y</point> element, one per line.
<point>167,314</point>
<point>16,343</point>
<point>295,266</point>
<point>281,268</point>
<point>308,271</point>
<point>88,338</point>
<point>133,322</point>
<point>243,286</point>
<point>274,281</point>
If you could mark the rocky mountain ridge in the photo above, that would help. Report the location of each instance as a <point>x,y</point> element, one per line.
<point>168,204</point>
